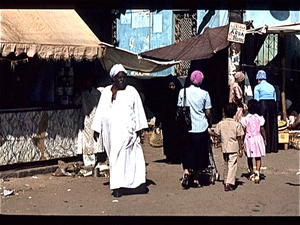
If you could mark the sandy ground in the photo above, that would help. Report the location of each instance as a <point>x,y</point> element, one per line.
<point>276,195</point>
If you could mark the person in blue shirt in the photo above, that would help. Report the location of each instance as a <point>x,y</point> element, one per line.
<point>265,94</point>
<point>195,157</point>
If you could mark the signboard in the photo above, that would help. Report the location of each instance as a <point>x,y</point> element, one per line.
<point>237,32</point>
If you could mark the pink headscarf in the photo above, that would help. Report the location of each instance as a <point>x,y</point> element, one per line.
<point>197,77</point>
<point>239,76</point>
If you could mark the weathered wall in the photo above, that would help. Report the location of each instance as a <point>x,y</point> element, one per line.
<point>38,135</point>
<point>141,30</point>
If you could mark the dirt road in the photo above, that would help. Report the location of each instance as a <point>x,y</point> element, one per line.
<point>276,195</point>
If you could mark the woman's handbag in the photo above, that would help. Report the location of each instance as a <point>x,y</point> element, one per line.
<point>183,116</point>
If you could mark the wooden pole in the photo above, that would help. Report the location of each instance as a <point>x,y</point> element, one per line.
<point>282,53</point>
<point>234,49</point>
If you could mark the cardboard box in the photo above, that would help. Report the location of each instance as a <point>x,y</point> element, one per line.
<point>283,137</point>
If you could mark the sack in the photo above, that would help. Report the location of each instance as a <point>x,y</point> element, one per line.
<point>156,139</point>
<point>183,118</point>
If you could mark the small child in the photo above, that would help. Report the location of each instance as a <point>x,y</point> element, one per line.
<point>255,139</point>
<point>231,133</point>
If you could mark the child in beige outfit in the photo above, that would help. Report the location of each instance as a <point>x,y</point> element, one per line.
<point>231,133</point>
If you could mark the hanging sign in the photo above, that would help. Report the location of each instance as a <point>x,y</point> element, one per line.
<point>237,32</point>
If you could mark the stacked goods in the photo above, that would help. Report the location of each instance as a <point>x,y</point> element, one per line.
<point>283,134</point>
<point>282,124</point>
<point>295,140</point>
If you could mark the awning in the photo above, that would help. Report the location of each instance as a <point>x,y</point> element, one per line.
<point>63,34</point>
<point>293,28</point>
<point>132,61</point>
<point>198,47</point>
<point>47,33</point>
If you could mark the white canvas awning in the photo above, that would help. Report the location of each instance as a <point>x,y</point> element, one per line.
<point>47,33</point>
<point>63,34</point>
<point>293,28</point>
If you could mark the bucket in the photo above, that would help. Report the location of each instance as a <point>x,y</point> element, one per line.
<point>64,100</point>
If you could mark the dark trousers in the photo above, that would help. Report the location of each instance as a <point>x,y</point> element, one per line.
<point>195,155</point>
<point>268,109</point>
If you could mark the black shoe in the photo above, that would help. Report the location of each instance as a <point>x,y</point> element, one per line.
<point>117,193</point>
<point>228,187</point>
<point>185,181</point>
<point>142,189</point>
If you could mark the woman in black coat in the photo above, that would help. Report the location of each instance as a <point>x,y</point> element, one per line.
<point>166,120</point>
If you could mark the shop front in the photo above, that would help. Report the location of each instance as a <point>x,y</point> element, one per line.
<point>44,56</point>
<point>279,57</point>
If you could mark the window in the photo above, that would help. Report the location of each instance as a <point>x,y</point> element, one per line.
<point>268,50</point>
<point>185,27</point>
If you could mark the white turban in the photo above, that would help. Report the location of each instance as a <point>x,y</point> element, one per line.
<point>116,69</point>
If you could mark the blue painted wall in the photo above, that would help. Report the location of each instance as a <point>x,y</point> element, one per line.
<point>220,18</point>
<point>140,30</point>
<point>262,17</point>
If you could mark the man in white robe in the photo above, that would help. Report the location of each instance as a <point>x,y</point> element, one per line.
<point>119,119</point>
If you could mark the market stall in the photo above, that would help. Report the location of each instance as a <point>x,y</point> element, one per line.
<point>44,55</point>
<point>282,31</point>
<point>38,119</point>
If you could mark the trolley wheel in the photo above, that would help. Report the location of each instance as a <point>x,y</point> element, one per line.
<point>217,176</point>
<point>213,179</point>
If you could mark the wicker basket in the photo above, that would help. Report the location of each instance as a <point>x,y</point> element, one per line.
<point>295,141</point>
<point>156,139</point>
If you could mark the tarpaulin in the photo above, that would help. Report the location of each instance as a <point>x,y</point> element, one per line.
<point>195,48</point>
<point>132,61</point>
